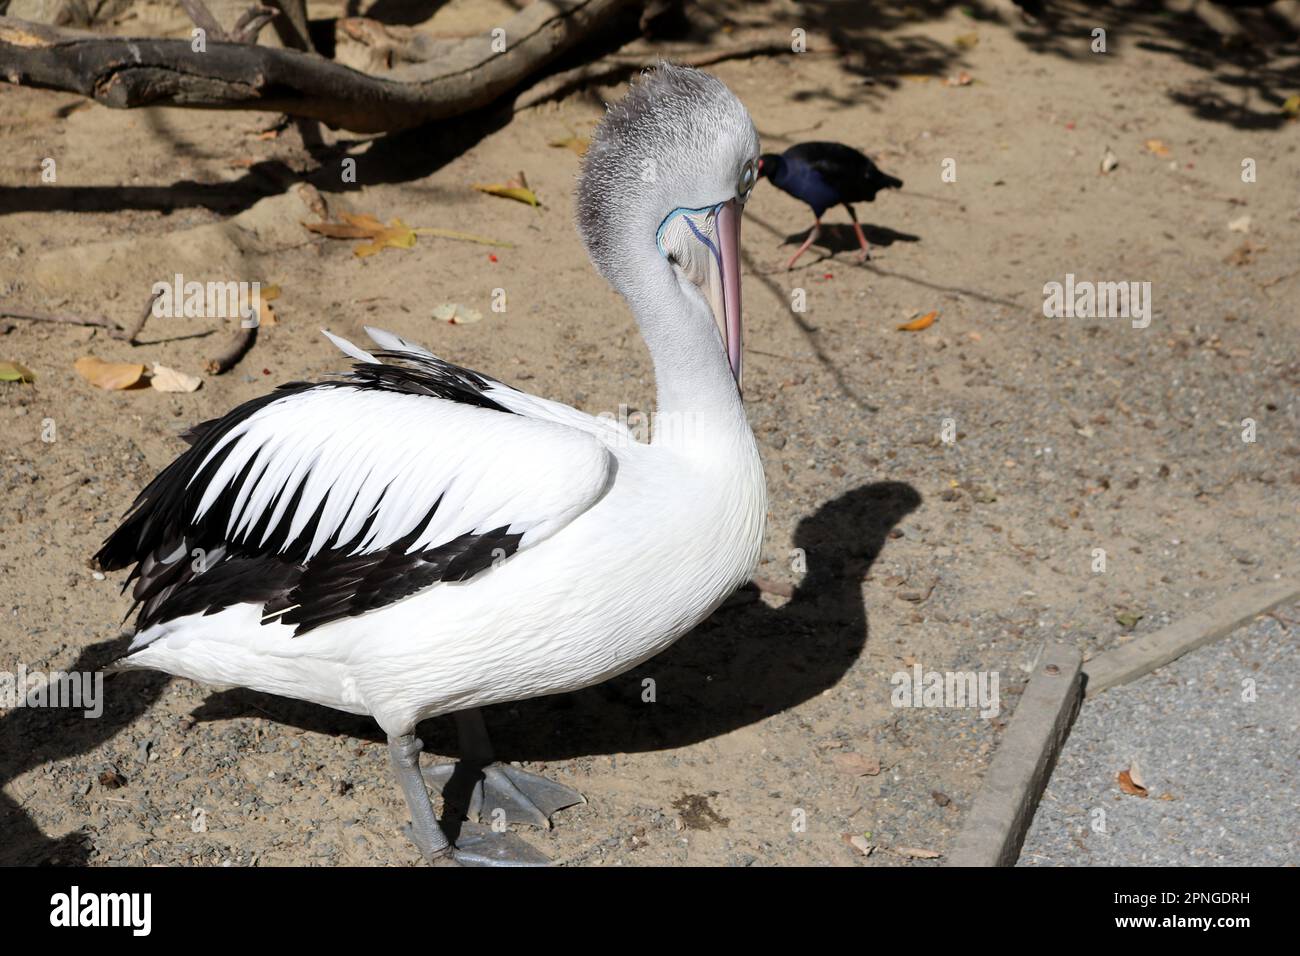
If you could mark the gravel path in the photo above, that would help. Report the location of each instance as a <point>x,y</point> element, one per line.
<point>1220,767</point>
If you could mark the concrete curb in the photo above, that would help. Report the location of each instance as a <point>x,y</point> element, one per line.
<point>1145,654</point>
<point>995,827</point>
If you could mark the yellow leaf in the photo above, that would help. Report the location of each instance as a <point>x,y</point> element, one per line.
<point>366,222</point>
<point>15,372</point>
<point>113,376</point>
<point>916,325</point>
<point>517,193</point>
<point>1156,147</point>
<point>578,144</point>
<point>967,41</point>
<point>396,235</point>
<point>1292,105</point>
<point>266,314</point>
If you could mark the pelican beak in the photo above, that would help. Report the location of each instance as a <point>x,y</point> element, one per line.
<point>705,245</point>
<point>727,312</point>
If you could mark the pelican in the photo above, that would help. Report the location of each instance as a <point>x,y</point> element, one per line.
<point>411,538</point>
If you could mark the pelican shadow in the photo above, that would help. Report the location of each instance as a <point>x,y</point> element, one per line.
<point>744,664</point>
<point>31,737</point>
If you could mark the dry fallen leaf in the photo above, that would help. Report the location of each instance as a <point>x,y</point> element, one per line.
<point>515,191</point>
<point>1135,774</point>
<point>916,854</point>
<point>1127,785</point>
<point>337,230</point>
<point>856,765</point>
<point>1244,254</point>
<point>15,372</point>
<point>108,375</point>
<point>166,379</point>
<point>456,314</point>
<point>266,313</point>
<point>967,41</point>
<point>396,235</point>
<point>1156,147</point>
<point>860,843</point>
<point>578,144</point>
<point>1292,106</point>
<point>916,325</point>
<point>1127,618</point>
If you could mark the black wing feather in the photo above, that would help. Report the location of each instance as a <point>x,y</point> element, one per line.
<point>187,567</point>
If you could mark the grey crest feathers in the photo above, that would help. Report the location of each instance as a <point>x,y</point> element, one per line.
<point>675,139</point>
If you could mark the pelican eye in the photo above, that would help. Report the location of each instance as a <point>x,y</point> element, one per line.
<point>746,181</point>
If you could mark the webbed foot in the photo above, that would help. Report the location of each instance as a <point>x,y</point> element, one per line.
<point>523,797</point>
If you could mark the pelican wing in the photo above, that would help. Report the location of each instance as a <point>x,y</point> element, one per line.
<point>326,500</point>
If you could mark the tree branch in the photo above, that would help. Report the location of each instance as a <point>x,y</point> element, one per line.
<point>202,18</point>
<point>126,73</point>
<point>250,23</point>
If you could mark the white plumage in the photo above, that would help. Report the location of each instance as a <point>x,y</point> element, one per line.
<point>413,539</point>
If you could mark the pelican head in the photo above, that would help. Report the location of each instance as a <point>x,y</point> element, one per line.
<point>663,187</point>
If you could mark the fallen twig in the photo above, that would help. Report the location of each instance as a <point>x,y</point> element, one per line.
<point>239,345</point>
<point>95,322</point>
<point>1268,284</point>
<point>98,322</point>
<point>136,329</point>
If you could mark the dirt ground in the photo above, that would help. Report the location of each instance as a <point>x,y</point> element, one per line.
<point>1071,434</point>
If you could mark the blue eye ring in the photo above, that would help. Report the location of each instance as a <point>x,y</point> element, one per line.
<point>747,178</point>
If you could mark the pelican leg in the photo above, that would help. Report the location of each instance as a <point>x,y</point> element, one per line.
<point>519,796</point>
<point>475,846</point>
<point>816,231</point>
<point>865,254</point>
<point>404,752</point>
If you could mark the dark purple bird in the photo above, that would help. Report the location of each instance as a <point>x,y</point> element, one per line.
<point>825,175</point>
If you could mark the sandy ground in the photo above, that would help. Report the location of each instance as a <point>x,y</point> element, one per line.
<point>1071,434</point>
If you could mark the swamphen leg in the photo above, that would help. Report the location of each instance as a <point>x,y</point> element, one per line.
<point>816,230</point>
<point>865,254</point>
